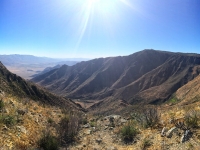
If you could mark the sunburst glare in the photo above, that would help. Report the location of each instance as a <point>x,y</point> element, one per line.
<point>105,10</point>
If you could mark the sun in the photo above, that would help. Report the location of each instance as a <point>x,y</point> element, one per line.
<point>102,11</point>
<point>103,6</point>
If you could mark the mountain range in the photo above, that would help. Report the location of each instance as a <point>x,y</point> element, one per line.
<point>148,76</point>
<point>28,66</point>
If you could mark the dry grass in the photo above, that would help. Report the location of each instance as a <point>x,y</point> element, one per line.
<point>34,121</point>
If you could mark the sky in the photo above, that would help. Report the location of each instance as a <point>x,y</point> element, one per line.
<point>98,28</point>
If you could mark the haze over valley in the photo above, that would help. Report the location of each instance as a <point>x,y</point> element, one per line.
<point>28,66</point>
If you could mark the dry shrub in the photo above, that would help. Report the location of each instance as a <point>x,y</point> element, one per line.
<point>20,145</point>
<point>68,128</point>
<point>48,142</point>
<point>147,117</point>
<point>128,132</point>
<point>192,118</point>
<point>146,143</point>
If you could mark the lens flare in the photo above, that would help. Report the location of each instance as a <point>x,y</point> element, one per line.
<point>96,9</point>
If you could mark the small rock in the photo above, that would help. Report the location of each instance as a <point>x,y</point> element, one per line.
<point>99,140</point>
<point>86,125</point>
<point>123,120</point>
<point>93,129</point>
<point>88,132</point>
<point>5,128</point>
<point>170,132</point>
<point>5,111</point>
<point>111,128</point>
<point>21,112</point>
<point>185,137</point>
<point>36,120</point>
<point>163,131</point>
<point>22,129</point>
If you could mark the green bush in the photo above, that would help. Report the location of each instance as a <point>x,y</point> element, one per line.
<point>48,142</point>
<point>145,144</point>
<point>128,132</point>
<point>173,100</point>
<point>93,124</point>
<point>8,120</point>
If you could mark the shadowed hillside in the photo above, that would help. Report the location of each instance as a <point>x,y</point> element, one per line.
<point>148,76</point>
<point>17,86</point>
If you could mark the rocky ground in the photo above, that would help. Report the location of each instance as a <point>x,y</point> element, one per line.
<point>100,133</point>
<point>26,121</point>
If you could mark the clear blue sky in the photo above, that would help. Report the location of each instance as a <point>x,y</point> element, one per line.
<point>98,28</point>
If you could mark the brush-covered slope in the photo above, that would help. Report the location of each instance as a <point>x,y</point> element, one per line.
<point>189,93</point>
<point>14,85</point>
<point>148,75</point>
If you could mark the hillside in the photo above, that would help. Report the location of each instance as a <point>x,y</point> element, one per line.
<point>28,112</point>
<point>17,86</point>
<point>189,93</point>
<point>26,117</point>
<point>148,76</point>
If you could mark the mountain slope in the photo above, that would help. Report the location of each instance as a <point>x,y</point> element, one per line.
<point>149,75</point>
<point>15,85</point>
<point>189,93</point>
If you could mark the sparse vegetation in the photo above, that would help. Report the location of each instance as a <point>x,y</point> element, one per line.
<point>84,121</point>
<point>50,120</point>
<point>151,116</point>
<point>128,132</point>
<point>146,143</point>
<point>93,124</point>
<point>1,104</point>
<point>148,117</point>
<point>68,128</point>
<point>8,120</point>
<point>191,119</point>
<point>173,100</point>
